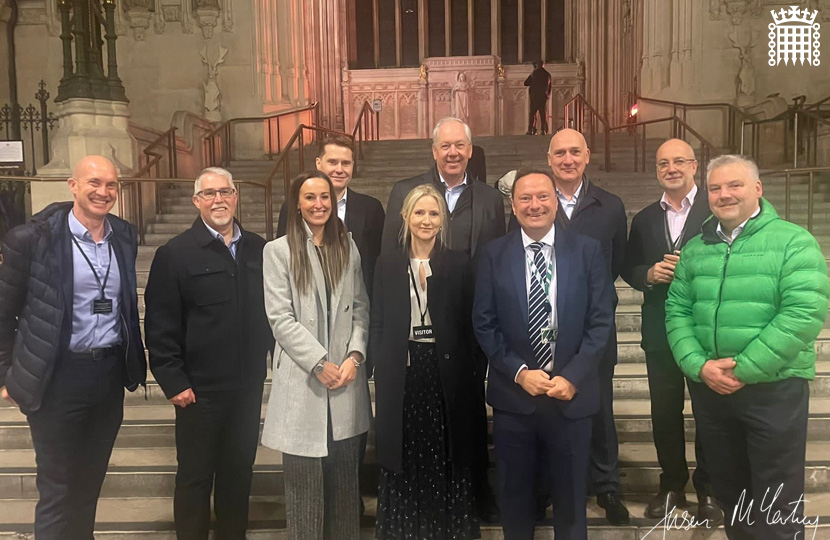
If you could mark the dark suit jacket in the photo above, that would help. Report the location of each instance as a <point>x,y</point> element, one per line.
<point>205,323</point>
<point>646,245</point>
<point>364,219</point>
<point>488,210</point>
<point>584,304</point>
<point>450,300</point>
<point>539,82</point>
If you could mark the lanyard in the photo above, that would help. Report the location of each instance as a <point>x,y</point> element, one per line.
<point>545,280</point>
<point>101,287</point>
<point>673,244</point>
<point>418,297</point>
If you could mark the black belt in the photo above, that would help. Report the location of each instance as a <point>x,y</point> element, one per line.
<point>94,354</point>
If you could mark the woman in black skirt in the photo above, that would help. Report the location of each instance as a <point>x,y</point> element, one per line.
<point>421,342</point>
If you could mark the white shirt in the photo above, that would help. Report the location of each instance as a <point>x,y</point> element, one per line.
<point>677,218</point>
<point>737,230</point>
<point>548,252</point>
<point>569,206</point>
<point>341,206</point>
<point>415,315</point>
<point>453,193</point>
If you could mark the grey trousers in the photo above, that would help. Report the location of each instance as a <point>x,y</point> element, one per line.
<point>322,498</point>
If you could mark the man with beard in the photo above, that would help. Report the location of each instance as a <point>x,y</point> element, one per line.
<point>658,233</point>
<point>209,338</point>
<point>70,342</point>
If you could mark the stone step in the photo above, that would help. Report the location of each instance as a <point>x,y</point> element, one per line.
<point>152,519</point>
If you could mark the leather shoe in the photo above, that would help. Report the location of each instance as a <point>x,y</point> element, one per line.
<point>488,511</point>
<point>663,503</point>
<point>615,511</point>
<point>708,509</point>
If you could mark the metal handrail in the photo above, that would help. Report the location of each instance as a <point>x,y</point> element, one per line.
<point>798,171</point>
<point>223,134</point>
<point>733,112</point>
<point>810,134</point>
<point>679,130</point>
<point>132,188</point>
<point>579,104</point>
<point>283,161</point>
<point>154,158</point>
<point>364,126</point>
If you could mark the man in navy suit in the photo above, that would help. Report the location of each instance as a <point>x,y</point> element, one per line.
<point>543,315</point>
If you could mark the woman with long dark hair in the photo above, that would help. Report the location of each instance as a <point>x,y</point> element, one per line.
<point>421,345</point>
<point>318,309</point>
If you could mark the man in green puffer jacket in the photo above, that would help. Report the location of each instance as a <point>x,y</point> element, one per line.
<point>748,299</point>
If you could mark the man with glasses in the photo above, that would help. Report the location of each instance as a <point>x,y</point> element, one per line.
<point>70,342</point>
<point>658,233</point>
<point>208,338</point>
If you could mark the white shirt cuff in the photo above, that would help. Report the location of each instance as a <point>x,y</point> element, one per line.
<point>515,379</point>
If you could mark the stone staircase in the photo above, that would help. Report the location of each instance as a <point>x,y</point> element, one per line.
<point>136,501</point>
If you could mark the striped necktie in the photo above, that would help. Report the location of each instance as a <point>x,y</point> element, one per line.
<point>538,309</point>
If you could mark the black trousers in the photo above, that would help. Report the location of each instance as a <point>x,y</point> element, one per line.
<point>666,388</point>
<point>216,442</point>
<point>755,442</point>
<point>563,444</point>
<point>73,434</point>
<point>605,451</point>
<point>538,105</point>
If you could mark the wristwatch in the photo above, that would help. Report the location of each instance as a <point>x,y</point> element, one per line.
<point>318,368</point>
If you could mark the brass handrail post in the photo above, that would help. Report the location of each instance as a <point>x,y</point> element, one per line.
<point>810,203</point>
<point>795,140</point>
<point>643,149</point>
<point>787,187</point>
<point>269,211</point>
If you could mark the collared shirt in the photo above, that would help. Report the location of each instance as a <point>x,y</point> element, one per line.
<point>677,218</point>
<point>341,206</point>
<point>104,329</point>
<point>737,230</point>
<point>237,236</point>
<point>453,193</point>
<point>548,252</point>
<point>569,206</point>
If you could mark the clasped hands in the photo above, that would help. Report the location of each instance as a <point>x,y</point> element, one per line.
<point>719,375</point>
<point>334,376</point>
<point>537,382</point>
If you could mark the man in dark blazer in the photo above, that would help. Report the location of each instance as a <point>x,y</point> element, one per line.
<point>476,209</point>
<point>362,214</point>
<point>476,217</point>
<point>543,314</point>
<point>70,342</point>
<point>658,233</point>
<point>209,339</point>
<point>539,86</point>
<point>590,210</point>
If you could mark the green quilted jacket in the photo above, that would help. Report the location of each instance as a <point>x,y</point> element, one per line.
<point>761,301</point>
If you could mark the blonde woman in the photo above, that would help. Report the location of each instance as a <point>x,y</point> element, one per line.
<point>421,345</point>
<point>318,310</point>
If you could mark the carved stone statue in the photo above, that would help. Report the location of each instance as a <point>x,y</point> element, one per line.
<point>423,73</point>
<point>745,79</point>
<point>460,98</point>
<point>213,97</point>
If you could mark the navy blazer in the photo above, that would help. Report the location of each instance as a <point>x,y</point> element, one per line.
<point>585,307</point>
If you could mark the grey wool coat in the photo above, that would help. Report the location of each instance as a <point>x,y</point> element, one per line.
<point>297,417</point>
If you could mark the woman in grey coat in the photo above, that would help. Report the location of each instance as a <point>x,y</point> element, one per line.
<point>319,312</point>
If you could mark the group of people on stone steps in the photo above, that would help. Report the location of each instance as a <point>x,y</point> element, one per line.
<point>733,303</point>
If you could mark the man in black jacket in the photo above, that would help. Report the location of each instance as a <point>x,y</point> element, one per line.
<point>658,233</point>
<point>590,210</point>
<point>476,216</point>
<point>363,215</point>
<point>538,83</point>
<point>70,342</point>
<point>209,338</point>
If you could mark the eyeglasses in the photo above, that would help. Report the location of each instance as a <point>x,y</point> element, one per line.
<point>679,163</point>
<point>210,194</point>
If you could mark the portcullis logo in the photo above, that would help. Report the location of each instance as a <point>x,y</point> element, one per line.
<point>793,37</point>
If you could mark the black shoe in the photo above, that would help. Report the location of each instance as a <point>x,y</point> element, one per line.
<point>615,511</point>
<point>488,511</point>
<point>663,503</point>
<point>708,509</point>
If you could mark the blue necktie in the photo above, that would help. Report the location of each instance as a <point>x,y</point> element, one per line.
<point>538,309</point>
